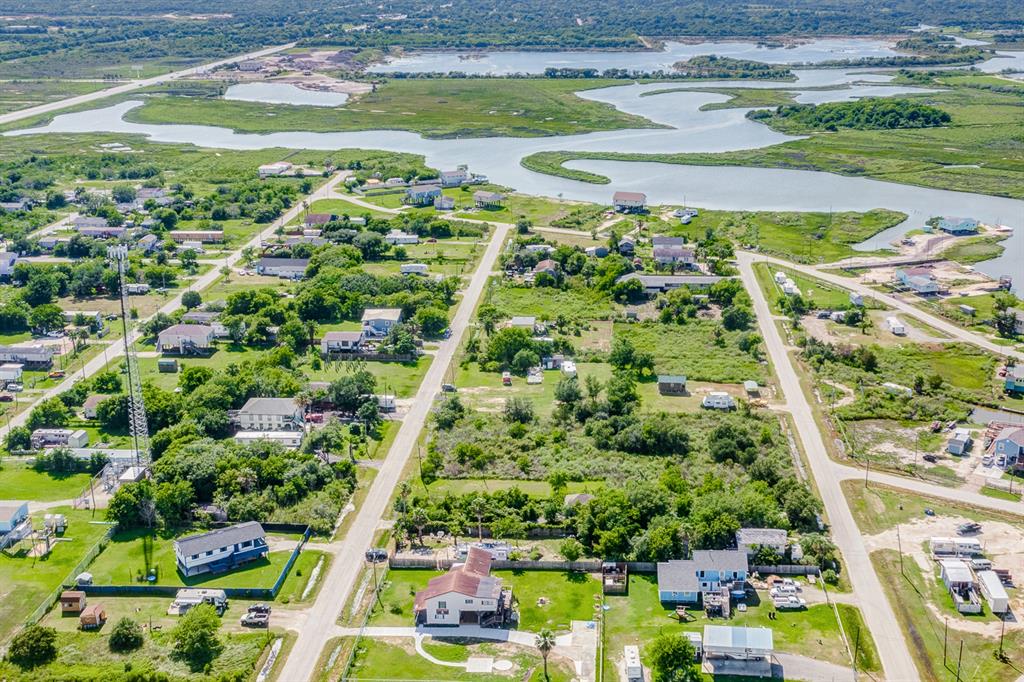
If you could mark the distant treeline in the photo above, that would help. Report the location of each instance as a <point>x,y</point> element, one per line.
<point>865,114</point>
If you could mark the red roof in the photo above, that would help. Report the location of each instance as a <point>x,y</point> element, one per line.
<point>472,578</point>
<point>546,264</point>
<point>318,218</point>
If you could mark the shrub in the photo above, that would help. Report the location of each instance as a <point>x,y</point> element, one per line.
<point>33,646</point>
<point>126,636</point>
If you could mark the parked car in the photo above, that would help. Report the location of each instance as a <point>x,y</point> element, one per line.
<point>255,620</point>
<point>448,388</point>
<point>968,528</point>
<point>56,374</point>
<point>259,608</point>
<point>15,388</point>
<point>376,555</point>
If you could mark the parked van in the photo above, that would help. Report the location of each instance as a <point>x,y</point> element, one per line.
<point>506,379</point>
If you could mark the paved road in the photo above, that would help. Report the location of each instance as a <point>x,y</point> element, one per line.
<point>955,332</point>
<point>878,614</point>
<point>115,349</point>
<point>340,580</point>
<point>134,85</point>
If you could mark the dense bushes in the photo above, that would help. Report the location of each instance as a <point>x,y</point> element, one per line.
<point>864,114</point>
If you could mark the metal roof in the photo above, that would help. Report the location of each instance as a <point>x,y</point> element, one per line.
<point>736,639</point>
<point>221,537</point>
<point>284,407</point>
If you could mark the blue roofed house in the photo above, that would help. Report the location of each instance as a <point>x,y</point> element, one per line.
<point>955,226</point>
<point>919,280</point>
<point>221,550</point>
<point>683,581</point>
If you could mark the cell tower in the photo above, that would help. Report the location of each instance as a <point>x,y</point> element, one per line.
<point>137,424</point>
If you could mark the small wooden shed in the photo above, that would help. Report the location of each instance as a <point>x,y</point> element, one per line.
<point>72,601</point>
<point>93,617</point>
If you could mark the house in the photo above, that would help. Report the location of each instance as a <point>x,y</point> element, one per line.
<point>271,414</point>
<point>467,593</point>
<point>671,384</point>
<point>10,371</point>
<point>538,248</point>
<point>92,617</point>
<point>1014,380</point>
<point>741,651</point>
<point>682,581</point>
<point>546,266</point>
<point>414,268</point>
<point>751,387</point>
<point>484,199</point>
<point>317,219</point>
<point>959,581</point>
<point>12,515</point>
<point>286,268</point>
<point>718,400</point>
<point>86,221</point>
<point>528,322</point>
<point>44,438</point>
<point>1009,445</point>
<point>146,193</point>
<point>33,356</point>
<point>664,240</point>
<point>993,590</point>
<point>626,245</point>
<point>576,499</point>
<point>108,232</point>
<point>455,178</point>
<point>958,226</point>
<point>960,443</point>
<point>1018,320</point>
<point>7,262</point>
<point>895,327</point>
<point>72,601</point>
<point>270,170</point>
<point>675,255</point>
<point>88,318</point>
<point>397,237</point>
<point>90,405</point>
<point>221,549</point>
<point>920,280</point>
<point>210,318</point>
<point>856,299</point>
<point>183,339</point>
<point>654,284</point>
<point>380,321</point>
<point>136,288</point>
<point>422,195</point>
<point>249,65</point>
<point>201,236</point>
<point>341,342</point>
<point>290,440</point>
<point>443,203</point>
<point>749,539</point>
<point>22,204</point>
<point>599,251</point>
<point>629,202</point>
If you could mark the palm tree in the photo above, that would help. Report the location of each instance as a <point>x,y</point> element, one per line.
<point>478,506</point>
<point>545,643</point>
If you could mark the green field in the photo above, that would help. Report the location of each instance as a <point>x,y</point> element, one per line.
<point>20,482</point>
<point>38,577</point>
<point>688,349</point>
<point>816,293</point>
<point>437,108</point>
<point>549,304</point>
<point>978,152</point>
<point>567,597</point>
<point>975,249</point>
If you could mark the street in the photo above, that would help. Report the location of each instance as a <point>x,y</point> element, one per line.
<point>897,662</point>
<point>319,625</point>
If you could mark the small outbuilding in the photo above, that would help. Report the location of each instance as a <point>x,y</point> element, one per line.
<point>92,617</point>
<point>671,384</point>
<point>72,601</point>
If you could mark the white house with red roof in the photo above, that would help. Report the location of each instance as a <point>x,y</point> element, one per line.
<point>466,595</point>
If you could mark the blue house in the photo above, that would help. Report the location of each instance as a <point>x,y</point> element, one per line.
<point>11,515</point>
<point>683,581</point>
<point>1009,445</point>
<point>958,226</point>
<point>422,195</point>
<point>1014,381</point>
<point>221,550</point>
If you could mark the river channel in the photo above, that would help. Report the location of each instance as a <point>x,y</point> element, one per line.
<point>687,130</point>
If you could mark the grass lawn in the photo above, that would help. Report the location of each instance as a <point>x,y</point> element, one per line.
<point>549,304</point>
<point>35,578</point>
<point>135,553</point>
<point>19,481</point>
<point>640,617</point>
<point>538,210</point>
<point>817,294</point>
<point>342,207</point>
<point>398,378</point>
<point>434,107</point>
<point>395,660</point>
<point>689,349</point>
<point>568,597</point>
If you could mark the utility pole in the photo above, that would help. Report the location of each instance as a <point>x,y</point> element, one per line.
<point>945,638</point>
<point>959,660</point>
<point>899,543</point>
<point>867,468</point>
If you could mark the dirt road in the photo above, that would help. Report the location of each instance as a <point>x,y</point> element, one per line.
<point>340,580</point>
<point>878,614</point>
<point>134,85</point>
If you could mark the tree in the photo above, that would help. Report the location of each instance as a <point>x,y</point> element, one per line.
<point>33,646</point>
<point>47,317</point>
<point>18,438</point>
<point>126,636</point>
<point>51,413</point>
<point>132,505</point>
<point>478,507</point>
<point>918,384</point>
<point>545,643</point>
<point>518,410</point>
<point>195,636</point>
<point>191,299</point>
<point>671,657</point>
<point>570,549</point>
<point>524,360</point>
<point>736,317</point>
<point>431,320</point>
<point>173,502</point>
<point>370,244</point>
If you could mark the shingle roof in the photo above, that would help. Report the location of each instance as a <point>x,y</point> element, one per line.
<point>662,240</point>
<point>393,314</point>
<point>629,196</point>
<point>283,262</point>
<point>679,575</point>
<point>471,578</point>
<point>318,218</point>
<point>761,536</point>
<point>192,330</point>
<point>721,559</point>
<point>342,336</point>
<point>220,537</point>
<point>1012,433</point>
<point>284,407</point>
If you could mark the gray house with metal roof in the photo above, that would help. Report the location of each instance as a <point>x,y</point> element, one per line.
<point>221,549</point>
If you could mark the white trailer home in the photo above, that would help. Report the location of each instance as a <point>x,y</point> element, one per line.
<point>995,593</point>
<point>895,327</point>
